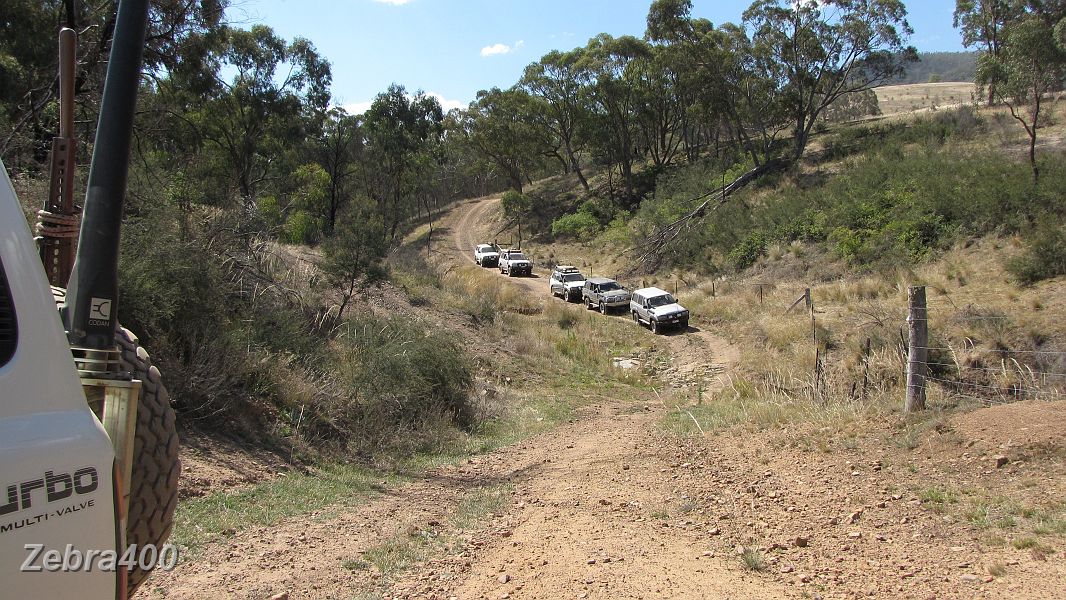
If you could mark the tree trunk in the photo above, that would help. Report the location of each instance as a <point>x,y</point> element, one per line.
<point>514,177</point>
<point>1032,139</point>
<point>575,166</point>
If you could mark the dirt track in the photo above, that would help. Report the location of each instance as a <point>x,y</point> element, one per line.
<point>606,507</point>
<point>580,523</point>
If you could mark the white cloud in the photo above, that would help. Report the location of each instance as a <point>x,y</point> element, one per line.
<point>393,2</point>
<point>356,108</point>
<point>445,103</point>
<point>495,49</point>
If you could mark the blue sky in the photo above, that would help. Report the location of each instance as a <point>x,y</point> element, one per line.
<point>453,48</point>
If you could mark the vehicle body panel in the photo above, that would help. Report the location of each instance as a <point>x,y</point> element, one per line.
<point>52,447</point>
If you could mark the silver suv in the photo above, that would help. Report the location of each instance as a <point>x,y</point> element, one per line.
<point>658,308</point>
<point>566,282</point>
<point>603,293</point>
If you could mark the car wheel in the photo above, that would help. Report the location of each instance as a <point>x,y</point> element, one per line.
<point>636,317</point>
<point>654,326</point>
<point>603,308</point>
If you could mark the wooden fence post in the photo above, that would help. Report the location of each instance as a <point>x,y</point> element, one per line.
<point>865,368</point>
<point>918,352</point>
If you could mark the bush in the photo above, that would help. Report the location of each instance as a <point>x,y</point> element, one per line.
<point>401,373</point>
<point>748,251</point>
<point>300,228</point>
<point>1044,256</point>
<point>576,225</point>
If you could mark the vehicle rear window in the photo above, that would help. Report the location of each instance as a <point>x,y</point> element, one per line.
<point>8,323</point>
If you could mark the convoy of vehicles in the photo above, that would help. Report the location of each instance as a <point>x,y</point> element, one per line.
<point>566,282</point>
<point>604,294</point>
<point>651,306</point>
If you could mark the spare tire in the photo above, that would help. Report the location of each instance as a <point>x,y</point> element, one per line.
<point>153,484</point>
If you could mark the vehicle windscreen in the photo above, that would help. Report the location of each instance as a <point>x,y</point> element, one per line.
<point>516,256</point>
<point>484,249</point>
<point>661,300</point>
<point>609,286</point>
<point>573,277</point>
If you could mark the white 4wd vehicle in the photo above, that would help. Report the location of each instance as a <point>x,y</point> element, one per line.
<point>486,255</point>
<point>658,309</point>
<point>513,262</point>
<point>566,282</point>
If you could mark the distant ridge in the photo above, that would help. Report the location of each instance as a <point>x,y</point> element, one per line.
<point>940,66</point>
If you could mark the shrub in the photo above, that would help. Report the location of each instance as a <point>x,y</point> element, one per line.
<point>399,373</point>
<point>269,211</point>
<point>300,228</point>
<point>1044,256</point>
<point>748,251</point>
<point>576,225</point>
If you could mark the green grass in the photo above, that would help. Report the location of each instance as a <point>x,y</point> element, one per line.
<point>938,497</point>
<point>480,503</point>
<point>199,520</point>
<point>401,552</point>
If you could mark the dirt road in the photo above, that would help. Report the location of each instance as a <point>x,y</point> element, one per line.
<point>585,518</point>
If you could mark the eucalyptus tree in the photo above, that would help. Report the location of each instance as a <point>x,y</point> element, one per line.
<point>403,136</point>
<point>177,31</point>
<point>561,110</point>
<point>815,51</point>
<point>982,24</point>
<point>265,95</point>
<point>1030,65</point>
<point>501,125</point>
<point>780,69</point>
<point>662,101</point>
<point>726,77</point>
<point>607,69</point>
<point>338,150</point>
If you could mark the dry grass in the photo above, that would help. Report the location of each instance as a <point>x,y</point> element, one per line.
<point>895,99</point>
<point>992,327</point>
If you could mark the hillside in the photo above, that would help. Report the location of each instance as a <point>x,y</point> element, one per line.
<point>677,474</point>
<point>907,98</point>
<point>934,67</point>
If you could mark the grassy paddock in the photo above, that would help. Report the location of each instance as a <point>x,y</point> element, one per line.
<point>998,333</point>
